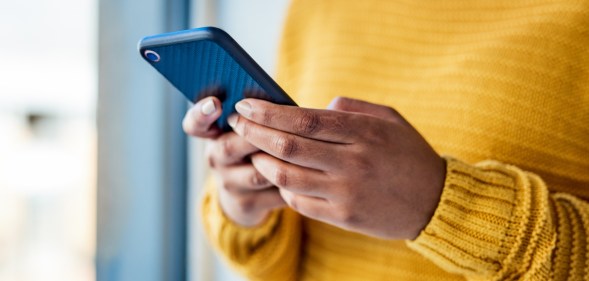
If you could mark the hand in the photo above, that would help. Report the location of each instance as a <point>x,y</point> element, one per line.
<point>245,196</point>
<point>360,166</point>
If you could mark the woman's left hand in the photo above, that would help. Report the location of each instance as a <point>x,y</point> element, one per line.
<point>358,166</point>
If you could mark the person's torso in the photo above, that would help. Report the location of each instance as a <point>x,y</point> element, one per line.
<point>503,80</point>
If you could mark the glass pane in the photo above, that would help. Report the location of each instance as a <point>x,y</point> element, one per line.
<point>47,140</point>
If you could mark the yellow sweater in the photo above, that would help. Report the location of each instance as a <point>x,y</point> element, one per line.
<point>501,87</point>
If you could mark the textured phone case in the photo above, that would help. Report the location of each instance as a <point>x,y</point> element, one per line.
<point>206,61</point>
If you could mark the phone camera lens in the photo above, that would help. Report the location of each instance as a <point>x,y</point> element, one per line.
<point>152,56</point>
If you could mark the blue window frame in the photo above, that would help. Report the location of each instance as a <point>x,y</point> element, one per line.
<point>142,155</point>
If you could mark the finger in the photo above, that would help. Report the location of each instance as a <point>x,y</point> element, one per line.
<point>200,118</point>
<point>229,149</point>
<point>293,178</point>
<point>298,150</point>
<point>359,106</point>
<point>269,199</point>
<point>262,200</point>
<point>325,125</point>
<point>315,208</point>
<point>243,178</point>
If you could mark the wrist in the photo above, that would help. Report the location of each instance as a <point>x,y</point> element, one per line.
<point>237,216</point>
<point>429,200</point>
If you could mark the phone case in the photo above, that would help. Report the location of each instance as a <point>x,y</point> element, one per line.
<point>206,61</point>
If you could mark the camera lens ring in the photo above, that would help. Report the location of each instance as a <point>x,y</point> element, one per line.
<point>151,55</point>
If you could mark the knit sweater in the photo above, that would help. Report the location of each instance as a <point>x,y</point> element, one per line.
<point>500,88</point>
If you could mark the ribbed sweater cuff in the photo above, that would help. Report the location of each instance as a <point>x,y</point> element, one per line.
<point>239,240</point>
<point>480,219</point>
<point>268,249</point>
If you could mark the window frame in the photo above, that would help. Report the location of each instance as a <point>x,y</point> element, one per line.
<point>142,188</point>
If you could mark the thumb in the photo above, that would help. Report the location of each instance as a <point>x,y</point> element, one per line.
<point>200,118</point>
<point>359,106</point>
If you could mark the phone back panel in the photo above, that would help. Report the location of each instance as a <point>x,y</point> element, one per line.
<point>201,67</point>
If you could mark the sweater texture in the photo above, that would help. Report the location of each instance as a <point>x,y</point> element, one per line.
<point>500,88</point>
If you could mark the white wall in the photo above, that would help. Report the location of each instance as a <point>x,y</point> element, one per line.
<point>256,25</point>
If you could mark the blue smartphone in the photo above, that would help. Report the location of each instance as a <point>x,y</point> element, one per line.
<point>206,62</point>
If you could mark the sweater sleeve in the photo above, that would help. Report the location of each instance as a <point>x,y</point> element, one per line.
<point>269,251</point>
<point>497,222</point>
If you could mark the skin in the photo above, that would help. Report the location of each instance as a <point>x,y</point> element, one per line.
<point>245,196</point>
<point>356,165</point>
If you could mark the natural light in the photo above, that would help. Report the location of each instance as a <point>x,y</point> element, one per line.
<point>47,144</point>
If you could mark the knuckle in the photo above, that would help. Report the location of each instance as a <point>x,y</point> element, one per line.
<point>393,115</point>
<point>286,146</point>
<point>199,123</point>
<point>347,217</point>
<point>350,220</point>
<point>307,124</point>
<point>229,185</point>
<point>360,156</point>
<point>281,177</point>
<point>246,204</point>
<point>245,128</point>
<point>266,117</point>
<point>371,134</point>
<point>340,123</point>
<point>227,149</point>
<point>258,180</point>
<point>230,189</point>
<point>391,111</point>
<point>341,103</point>
<point>363,167</point>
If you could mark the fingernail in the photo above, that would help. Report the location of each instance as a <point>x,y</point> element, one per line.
<point>208,107</point>
<point>244,108</point>
<point>232,120</point>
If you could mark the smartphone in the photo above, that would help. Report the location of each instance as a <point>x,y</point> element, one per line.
<point>206,62</point>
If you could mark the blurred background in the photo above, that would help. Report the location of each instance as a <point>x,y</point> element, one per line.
<point>97,179</point>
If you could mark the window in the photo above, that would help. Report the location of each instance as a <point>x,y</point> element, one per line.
<point>47,140</point>
<point>93,161</point>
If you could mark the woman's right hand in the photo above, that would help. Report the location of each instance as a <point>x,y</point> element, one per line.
<point>246,197</point>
